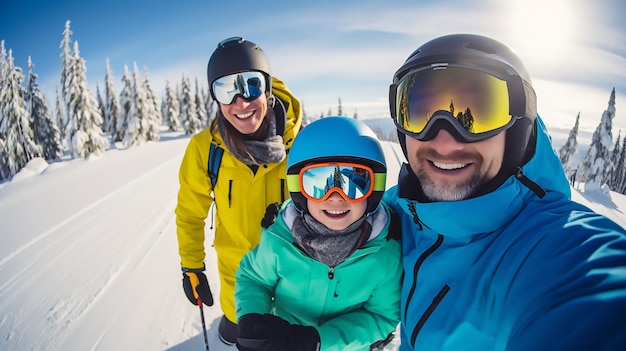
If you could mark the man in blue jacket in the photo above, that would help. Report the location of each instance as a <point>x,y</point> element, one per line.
<point>496,255</point>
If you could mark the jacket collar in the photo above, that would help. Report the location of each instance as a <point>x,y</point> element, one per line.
<point>378,220</point>
<point>490,212</point>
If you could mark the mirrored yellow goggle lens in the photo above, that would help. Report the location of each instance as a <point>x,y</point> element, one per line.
<point>479,101</point>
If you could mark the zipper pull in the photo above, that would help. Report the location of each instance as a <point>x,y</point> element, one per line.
<point>331,273</point>
<point>416,218</point>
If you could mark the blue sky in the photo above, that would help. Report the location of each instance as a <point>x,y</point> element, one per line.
<point>575,50</point>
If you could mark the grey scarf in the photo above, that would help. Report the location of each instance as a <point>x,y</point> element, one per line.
<point>326,245</point>
<point>269,150</point>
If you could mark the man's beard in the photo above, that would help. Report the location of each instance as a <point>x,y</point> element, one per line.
<point>436,190</point>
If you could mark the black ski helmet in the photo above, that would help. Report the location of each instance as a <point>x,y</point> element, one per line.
<point>237,55</point>
<point>484,54</point>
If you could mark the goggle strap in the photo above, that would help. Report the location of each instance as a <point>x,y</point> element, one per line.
<point>293,182</point>
<point>379,181</point>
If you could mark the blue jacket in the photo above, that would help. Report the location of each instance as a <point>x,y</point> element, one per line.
<point>352,305</point>
<point>510,270</point>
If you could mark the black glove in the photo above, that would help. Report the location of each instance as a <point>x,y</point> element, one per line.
<point>196,285</point>
<point>270,333</point>
<point>270,214</point>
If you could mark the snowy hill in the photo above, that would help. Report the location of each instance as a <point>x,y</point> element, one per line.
<point>88,253</point>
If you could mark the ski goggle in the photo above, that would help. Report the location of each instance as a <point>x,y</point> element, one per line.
<point>354,182</point>
<point>476,103</point>
<point>249,85</point>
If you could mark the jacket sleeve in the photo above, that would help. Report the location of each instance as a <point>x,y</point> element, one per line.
<point>378,317</point>
<point>256,279</point>
<point>585,306</point>
<point>194,200</point>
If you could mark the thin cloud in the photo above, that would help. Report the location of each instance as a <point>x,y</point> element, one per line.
<point>330,49</point>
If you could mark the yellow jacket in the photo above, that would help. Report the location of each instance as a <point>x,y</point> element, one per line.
<point>240,196</point>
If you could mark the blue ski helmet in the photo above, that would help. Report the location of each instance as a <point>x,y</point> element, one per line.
<point>337,139</point>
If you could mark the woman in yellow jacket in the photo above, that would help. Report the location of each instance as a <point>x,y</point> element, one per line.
<point>257,120</point>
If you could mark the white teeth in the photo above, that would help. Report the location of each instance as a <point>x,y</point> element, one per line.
<point>449,166</point>
<point>245,115</point>
<point>336,212</point>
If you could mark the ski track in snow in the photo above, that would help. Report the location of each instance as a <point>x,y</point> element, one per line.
<point>85,211</point>
<point>101,258</point>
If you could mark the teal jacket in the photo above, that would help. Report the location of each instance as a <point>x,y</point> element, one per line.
<point>352,305</point>
<point>511,270</point>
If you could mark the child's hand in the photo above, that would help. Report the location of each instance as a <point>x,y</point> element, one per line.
<point>271,333</point>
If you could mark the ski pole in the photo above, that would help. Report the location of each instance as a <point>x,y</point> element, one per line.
<point>206,341</point>
<point>193,279</point>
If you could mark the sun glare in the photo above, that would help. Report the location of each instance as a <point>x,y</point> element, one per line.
<point>542,28</point>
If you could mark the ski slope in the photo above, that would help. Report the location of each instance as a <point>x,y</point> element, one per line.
<point>89,260</point>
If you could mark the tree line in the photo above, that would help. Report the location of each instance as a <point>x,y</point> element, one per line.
<point>85,124</point>
<point>604,163</point>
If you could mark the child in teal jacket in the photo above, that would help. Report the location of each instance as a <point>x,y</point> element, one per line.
<point>326,275</point>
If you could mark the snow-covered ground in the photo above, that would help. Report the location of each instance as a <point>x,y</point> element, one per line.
<point>88,253</point>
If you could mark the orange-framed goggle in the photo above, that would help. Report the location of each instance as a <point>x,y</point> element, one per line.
<point>354,182</point>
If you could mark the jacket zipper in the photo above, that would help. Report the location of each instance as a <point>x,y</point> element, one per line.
<point>534,187</point>
<point>282,191</point>
<point>431,308</point>
<point>437,298</point>
<point>230,192</point>
<point>331,276</point>
<point>416,218</point>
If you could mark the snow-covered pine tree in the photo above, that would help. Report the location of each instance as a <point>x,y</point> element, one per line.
<point>200,106</point>
<point>171,108</point>
<point>137,123</point>
<point>67,69</point>
<point>621,169</point>
<point>4,157</point>
<point>111,104</point>
<point>339,107</point>
<point>126,102</point>
<point>83,133</point>
<point>597,158</point>
<point>60,116</point>
<point>611,171</point>
<point>100,104</point>
<point>305,117</point>
<point>210,106</point>
<point>3,66</point>
<point>153,110</point>
<point>618,170</point>
<point>569,148</point>
<point>163,110</point>
<point>189,115</point>
<point>45,131</point>
<point>18,145</point>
